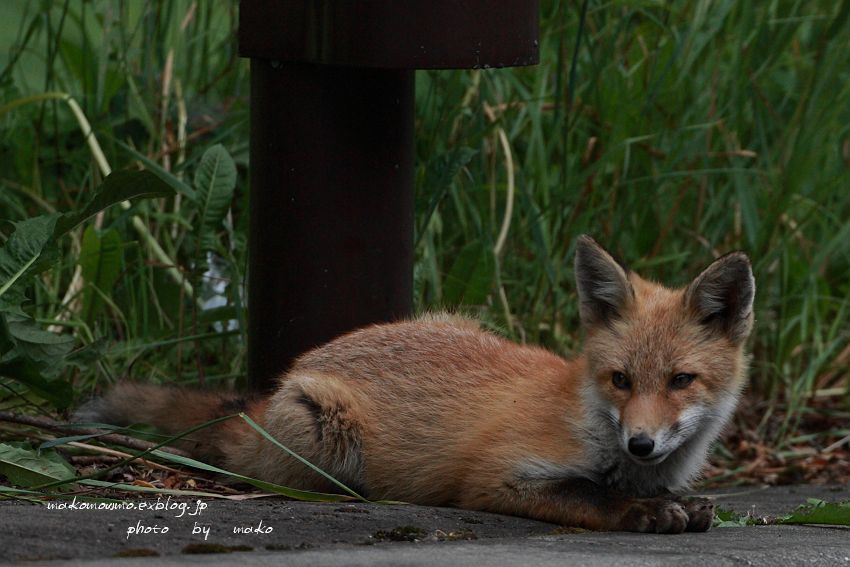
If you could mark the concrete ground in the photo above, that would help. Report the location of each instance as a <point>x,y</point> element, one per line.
<point>296,533</point>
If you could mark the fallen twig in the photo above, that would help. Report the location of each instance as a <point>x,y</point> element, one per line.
<point>123,455</point>
<point>89,460</point>
<point>843,441</point>
<point>113,438</point>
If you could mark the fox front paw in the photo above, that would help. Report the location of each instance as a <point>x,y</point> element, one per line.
<point>700,513</point>
<point>655,515</point>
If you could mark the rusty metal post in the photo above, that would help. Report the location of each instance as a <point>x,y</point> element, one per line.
<point>331,171</point>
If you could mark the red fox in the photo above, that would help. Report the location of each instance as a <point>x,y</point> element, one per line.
<point>436,411</point>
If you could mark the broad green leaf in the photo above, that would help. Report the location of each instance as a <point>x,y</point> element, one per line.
<point>100,261</point>
<point>36,358</point>
<point>817,512</point>
<point>20,255</point>
<point>729,519</point>
<point>117,187</point>
<point>215,180</point>
<point>28,467</point>
<point>830,513</point>
<point>31,374</point>
<point>38,344</point>
<point>471,276</point>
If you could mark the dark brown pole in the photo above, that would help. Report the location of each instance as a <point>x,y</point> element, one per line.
<point>331,238</point>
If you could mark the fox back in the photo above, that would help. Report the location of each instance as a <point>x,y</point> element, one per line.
<point>437,411</point>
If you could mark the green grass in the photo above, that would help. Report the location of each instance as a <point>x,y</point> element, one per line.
<point>671,132</point>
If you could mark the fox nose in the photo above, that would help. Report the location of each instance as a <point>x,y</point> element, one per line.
<point>641,445</point>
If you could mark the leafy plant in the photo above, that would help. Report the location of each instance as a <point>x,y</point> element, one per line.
<point>29,354</point>
<point>25,466</point>
<point>19,258</point>
<point>814,512</point>
<point>215,180</point>
<point>100,260</point>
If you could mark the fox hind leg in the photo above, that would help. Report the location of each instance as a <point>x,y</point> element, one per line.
<point>317,418</point>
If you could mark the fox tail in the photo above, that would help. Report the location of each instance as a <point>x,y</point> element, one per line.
<point>172,410</point>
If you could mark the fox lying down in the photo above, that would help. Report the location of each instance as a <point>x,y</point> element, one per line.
<point>436,411</point>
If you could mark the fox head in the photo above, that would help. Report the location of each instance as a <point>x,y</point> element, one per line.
<point>665,366</point>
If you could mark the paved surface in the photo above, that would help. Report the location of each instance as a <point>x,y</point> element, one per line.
<point>295,533</point>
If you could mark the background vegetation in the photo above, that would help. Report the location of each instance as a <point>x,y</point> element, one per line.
<point>672,132</point>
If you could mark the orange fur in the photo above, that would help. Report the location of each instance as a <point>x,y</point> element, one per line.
<point>437,411</point>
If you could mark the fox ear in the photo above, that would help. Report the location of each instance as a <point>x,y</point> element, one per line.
<point>722,296</point>
<point>603,284</point>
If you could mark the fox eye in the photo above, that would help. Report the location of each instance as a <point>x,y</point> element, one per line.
<point>620,381</point>
<point>681,381</point>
